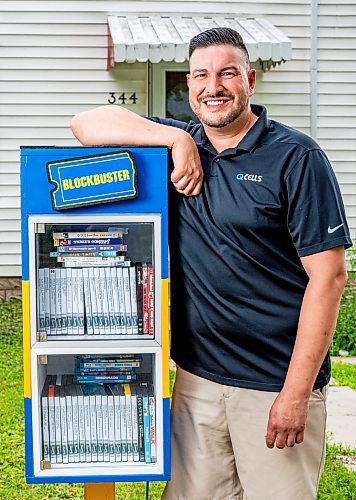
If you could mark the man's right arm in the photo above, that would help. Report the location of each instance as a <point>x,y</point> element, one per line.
<point>111,124</point>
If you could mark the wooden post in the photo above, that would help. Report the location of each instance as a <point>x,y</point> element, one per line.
<point>99,491</point>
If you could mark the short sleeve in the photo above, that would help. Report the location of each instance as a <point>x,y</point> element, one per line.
<point>316,214</point>
<point>173,123</point>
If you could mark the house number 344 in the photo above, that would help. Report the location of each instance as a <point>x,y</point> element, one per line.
<point>123,98</point>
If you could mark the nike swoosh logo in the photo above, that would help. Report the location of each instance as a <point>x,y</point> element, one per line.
<point>332,230</point>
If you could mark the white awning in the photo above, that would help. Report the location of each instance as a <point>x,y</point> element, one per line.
<point>155,38</point>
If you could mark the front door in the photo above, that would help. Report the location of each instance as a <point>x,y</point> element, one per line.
<point>169,91</point>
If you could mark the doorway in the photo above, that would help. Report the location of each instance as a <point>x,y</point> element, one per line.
<point>169,91</point>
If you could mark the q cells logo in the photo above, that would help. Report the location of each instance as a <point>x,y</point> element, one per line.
<point>249,177</point>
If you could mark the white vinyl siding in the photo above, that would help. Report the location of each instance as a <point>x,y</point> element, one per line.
<point>53,59</point>
<point>337,94</point>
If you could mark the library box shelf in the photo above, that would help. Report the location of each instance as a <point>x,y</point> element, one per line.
<point>87,429</point>
<point>87,291</point>
<point>95,307</point>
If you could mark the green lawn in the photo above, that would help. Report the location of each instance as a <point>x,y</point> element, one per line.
<point>344,374</point>
<point>345,332</point>
<point>337,482</point>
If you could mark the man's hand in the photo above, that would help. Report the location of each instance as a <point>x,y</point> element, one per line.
<point>287,419</point>
<point>187,176</point>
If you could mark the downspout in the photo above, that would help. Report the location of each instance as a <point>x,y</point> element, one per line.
<point>314,69</point>
<point>149,89</point>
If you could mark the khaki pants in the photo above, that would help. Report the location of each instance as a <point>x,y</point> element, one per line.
<point>219,450</point>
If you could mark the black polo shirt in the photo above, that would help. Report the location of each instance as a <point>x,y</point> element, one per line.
<point>237,279</point>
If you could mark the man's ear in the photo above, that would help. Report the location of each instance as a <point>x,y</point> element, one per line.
<point>252,80</point>
<point>188,79</point>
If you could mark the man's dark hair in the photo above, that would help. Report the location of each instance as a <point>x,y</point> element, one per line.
<point>218,36</point>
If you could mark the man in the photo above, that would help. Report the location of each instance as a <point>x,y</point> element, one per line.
<point>257,263</point>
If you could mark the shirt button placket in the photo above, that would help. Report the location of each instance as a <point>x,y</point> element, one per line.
<point>214,167</point>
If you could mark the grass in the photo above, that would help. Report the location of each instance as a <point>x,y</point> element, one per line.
<point>337,482</point>
<point>345,332</point>
<point>344,374</point>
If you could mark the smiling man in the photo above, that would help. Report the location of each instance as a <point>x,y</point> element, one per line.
<point>257,272</point>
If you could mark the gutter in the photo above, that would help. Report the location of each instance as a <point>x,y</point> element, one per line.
<point>314,69</point>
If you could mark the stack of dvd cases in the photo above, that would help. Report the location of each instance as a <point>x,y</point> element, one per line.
<point>95,291</point>
<point>104,370</point>
<point>96,421</point>
<point>92,248</point>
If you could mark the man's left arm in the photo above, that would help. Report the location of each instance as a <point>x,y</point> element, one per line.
<point>317,320</point>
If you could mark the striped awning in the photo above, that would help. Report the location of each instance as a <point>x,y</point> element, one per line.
<point>155,38</point>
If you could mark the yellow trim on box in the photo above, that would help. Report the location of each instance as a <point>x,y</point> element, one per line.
<point>127,389</point>
<point>165,339</point>
<point>26,338</point>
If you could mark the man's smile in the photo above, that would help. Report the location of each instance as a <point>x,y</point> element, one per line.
<point>215,103</point>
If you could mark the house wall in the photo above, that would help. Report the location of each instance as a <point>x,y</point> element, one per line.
<point>53,65</point>
<point>337,95</point>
